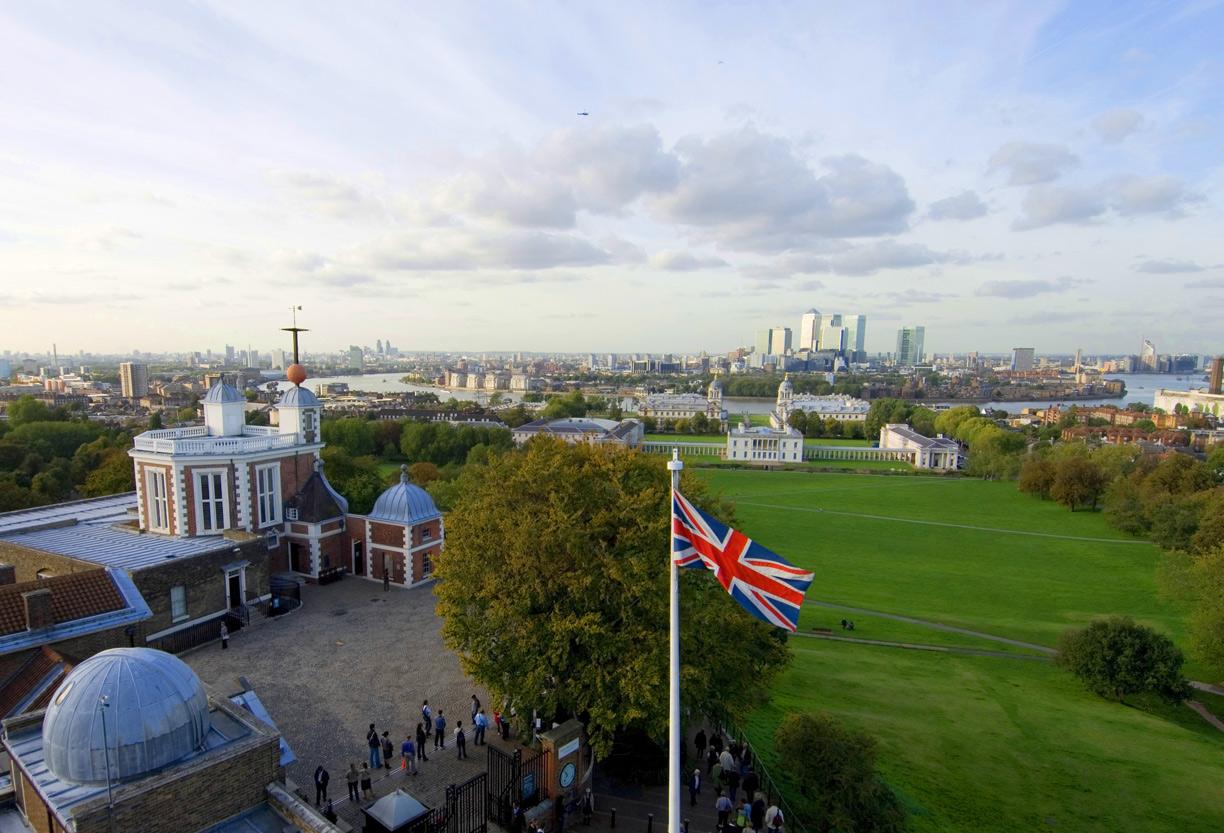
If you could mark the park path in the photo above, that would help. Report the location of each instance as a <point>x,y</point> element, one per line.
<point>995,529</point>
<point>922,646</point>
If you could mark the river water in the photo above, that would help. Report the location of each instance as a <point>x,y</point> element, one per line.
<point>1140,387</point>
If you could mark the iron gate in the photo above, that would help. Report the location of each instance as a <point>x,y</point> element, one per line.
<point>463,810</point>
<point>513,780</point>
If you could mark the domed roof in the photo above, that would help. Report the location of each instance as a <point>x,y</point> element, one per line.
<point>716,383</point>
<point>297,397</point>
<point>786,383</point>
<point>156,714</point>
<point>404,503</point>
<point>221,393</point>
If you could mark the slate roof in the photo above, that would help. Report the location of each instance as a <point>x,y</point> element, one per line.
<point>94,510</point>
<point>29,679</point>
<point>317,501</point>
<point>221,393</point>
<point>111,546</point>
<point>73,596</point>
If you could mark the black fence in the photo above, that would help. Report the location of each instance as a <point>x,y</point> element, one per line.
<point>773,795</point>
<point>193,636</point>
<point>514,780</point>
<point>286,595</point>
<point>464,810</point>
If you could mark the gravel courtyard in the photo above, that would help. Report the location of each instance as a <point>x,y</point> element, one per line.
<point>351,655</point>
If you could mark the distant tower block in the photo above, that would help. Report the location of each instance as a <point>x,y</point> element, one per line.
<point>1216,379</point>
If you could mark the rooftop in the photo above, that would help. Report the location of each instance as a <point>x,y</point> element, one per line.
<point>73,596</point>
<point>907,433</point>
<point>195,441</point>
<point>113,546</point>
<point>109,509</point>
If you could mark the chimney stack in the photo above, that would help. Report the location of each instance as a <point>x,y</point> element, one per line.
<point>8,574</point>
<point>38,608</point>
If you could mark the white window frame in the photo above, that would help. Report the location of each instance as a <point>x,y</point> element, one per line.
<point>156,484</point>
<point>426,566</point>
<point>179,616</point>
<point>267,495</point>
<point>199,476</point>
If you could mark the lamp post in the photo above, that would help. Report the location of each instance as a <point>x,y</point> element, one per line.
<point>104,704</point>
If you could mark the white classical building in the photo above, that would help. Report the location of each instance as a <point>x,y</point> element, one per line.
<point>939,453</point>
<point>627,432</point>
<point>673,406</point>
<point>763,445</point>
<point>837,406</point>
<point>1200,400</point>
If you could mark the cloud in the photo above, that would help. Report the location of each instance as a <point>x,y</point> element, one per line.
<point>751,191</point>
<point>1115,125</point>
<point>684,261</point>
<point>1168,267</point>
<point>298,261</point>
<point>1030,163</point>
<point>330,195</point>
<point>1040,318</point>
<point>966,205</point>
<point>105,239</point>
<point>1026,289</point>
<point>1128,196</point>
<point>341,279</point>
<point>1046,205</point>
<point>456,249</point>
<point>1206,283</point>
<point>622,250</point>
<point>916,296</point>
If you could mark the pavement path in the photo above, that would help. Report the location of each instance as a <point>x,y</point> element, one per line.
<point>993,529</point>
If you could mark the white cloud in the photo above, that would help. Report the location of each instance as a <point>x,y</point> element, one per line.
<point>1046,205</point>
<point>1128,196</point>
<point>1031,163</point>
<point>966,205</point>
<point>330,195</point>
<point>1134,195</point>
<point>673,261</point>
<point>457,249</point>
<point>1168,266</point>
<point>1115,125</point>
<point>1026,288</point>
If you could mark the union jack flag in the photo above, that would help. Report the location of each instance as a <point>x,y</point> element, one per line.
<point>764,583</point>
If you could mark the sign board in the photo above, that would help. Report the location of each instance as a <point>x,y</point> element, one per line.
<point>569,748</point>
<point>529,785</point>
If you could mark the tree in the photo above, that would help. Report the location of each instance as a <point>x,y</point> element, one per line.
<point>922,420</point>
<point>423,474</point>
<point>113,476</point>
<point>28,409</point>
<point>1116,658</point>
<point>1174,521</point>
<point>1036,478</point>
<point>1077,482</point>
<point>1209,534</point>
<point>1207,614</point>
<point>833,767</point>
<point>571,404</point>
<point>1124,507</point>
<point>155,421</point>
<point>947,422</point>
<point>568,613</point>
<point>1215,463</point>
<point>883,412</point>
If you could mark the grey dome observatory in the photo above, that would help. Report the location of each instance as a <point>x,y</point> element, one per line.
<point>156,714</point>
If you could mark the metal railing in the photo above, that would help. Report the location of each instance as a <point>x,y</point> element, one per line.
<point>773,794</point>
<point>201,443</point>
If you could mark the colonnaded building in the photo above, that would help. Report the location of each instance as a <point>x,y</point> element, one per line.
<point>676,406</point>
<point>834,406</point>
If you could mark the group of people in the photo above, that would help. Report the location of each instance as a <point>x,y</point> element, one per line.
<point>738,799</point>
<point>411,750</point>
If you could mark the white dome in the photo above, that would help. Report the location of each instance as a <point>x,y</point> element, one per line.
<point>297,397</point>
<point>156,714</point>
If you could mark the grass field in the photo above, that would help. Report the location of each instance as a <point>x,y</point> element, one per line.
<point>979,743</point>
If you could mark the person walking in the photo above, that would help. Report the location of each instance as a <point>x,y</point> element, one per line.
<point>321,779</point>
<point>758,813</point>
<point>711,759</point>
<point>427,718</point>
<point>367,789</point>
<point>460,739</point>
<point>439,731</point>
<point>375,747</point>
<point>352,777</point>
<point>224,637</point>
<point>733,782</point>
<point>421,735</point>
<point>588,806</point>
<point>723,806</point>
<point>694,787</point>
<point>750,784</point>
<point>700,743</point>
<point>388,749</point>
<point>482,723</point>
<point>408,755</point>
<point>475,707</point>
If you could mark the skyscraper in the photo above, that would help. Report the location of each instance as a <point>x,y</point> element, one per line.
<point>356,357</point>
<point>856,336</point>
<point>910,345</point>
<point>833,336</point>
<point>133,380</point>
<point>1022,358</point>
<point>762,342</point>
<point>809,330</point>
<point>775,341</point>
<point>1147,357</point>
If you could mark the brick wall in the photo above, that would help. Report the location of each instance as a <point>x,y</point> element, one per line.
<point>203,579</point>
<point>389,534</point>
<point>27,562</point>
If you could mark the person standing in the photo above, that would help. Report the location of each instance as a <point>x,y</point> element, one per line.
<point>750,784</point>
<point>224,637</point>
<point>352,777</point>
<point>375,747</point>
<point>388,749</point>
<point>733,782</point>
<point>460,739</point>
<point>439,731</point>
<point>758,813</point>
<point>694,787</point>
<point>700,743</point>
<point>482,723</point>
<point>367,789</point>
<point>321,779</point>
<point>723,806</point>
<point>475,707</point>
<point>421,735</point>
<point>408,755</point>
<point>427,718</point>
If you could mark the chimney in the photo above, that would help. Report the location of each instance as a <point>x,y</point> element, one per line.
<point>8,574</point>
<point>38,608</point>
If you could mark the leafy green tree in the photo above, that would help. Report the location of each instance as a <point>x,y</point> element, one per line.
<point>1215,463</point>
<point>1078,482</point>
<point>1207,613</point>
<point>55,439</point>
<point>833,767</point>
<point>1124,507</point>
<point>1116,658</point>
<point>568,612</point>
<point>1177,474</point>
<point>423,473</point>
<point>13,495</point>
<point>922,420</point>
<point>155,421</point>
<point>1174,520</point>
<point>1209,534</point>
<point>883,412</point>
<point>798,419</point>
<point>27,409</point>
<point>354,435</point>
<point>947,422</point>
<point>1036,477</point>
<point>1116,460</point>
<point>114,475</point>
<point>572,404</point>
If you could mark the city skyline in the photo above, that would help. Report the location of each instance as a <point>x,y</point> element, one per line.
<point>175,177</point>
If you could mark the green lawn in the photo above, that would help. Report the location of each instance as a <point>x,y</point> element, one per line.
<point>982,744</point>
<point>979,743</point>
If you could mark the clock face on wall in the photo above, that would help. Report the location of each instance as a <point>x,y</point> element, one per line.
<point>567,775</point>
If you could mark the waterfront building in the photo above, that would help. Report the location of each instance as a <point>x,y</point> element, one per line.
<point>133,380</point>
<point>627,432</point>
<point>673,406</point>
<point>1147,357</point>
<point>938,453</point>
<point>761,445</point>
<point>910,346</point>
<point>1022,358</point>
<point>837,406</point>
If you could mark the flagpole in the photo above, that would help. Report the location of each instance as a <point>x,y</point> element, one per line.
<point>675,466</point>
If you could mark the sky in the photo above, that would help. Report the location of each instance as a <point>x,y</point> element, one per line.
<point>610,177</point>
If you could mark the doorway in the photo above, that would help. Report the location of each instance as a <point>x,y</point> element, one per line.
<point>358,558</point>
<point>295,557</point>
<point>235,590</point>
